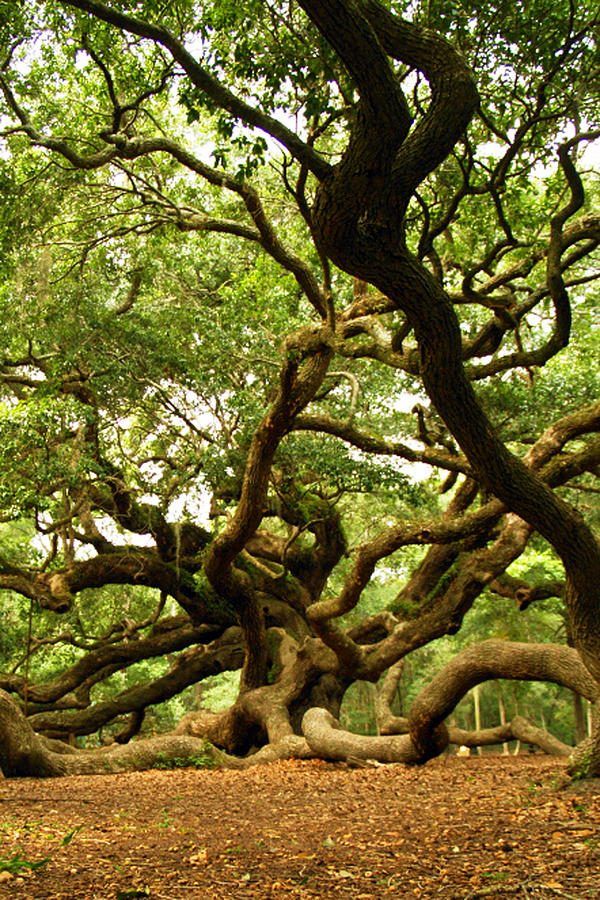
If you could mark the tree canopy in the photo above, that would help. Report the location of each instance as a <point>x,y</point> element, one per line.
<point>298,368</point>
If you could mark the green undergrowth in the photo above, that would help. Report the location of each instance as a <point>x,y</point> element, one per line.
<point>19,863</point>
<point>201,760</point>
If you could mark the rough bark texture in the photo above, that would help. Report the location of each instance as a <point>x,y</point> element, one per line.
<point>585,759</point>
<point>23,753</point>
<point>357,217</point>
<point>170,636</point>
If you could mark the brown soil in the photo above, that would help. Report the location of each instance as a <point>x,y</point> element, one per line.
<point>455,829</point>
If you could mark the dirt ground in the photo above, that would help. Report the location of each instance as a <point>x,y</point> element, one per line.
<point>456,829</point>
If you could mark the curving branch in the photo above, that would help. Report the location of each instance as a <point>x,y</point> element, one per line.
<point>24,753</point>
<point>490,660</point>
<point>162,641</point>
<point>454,96</point>
<point>372,443</point>
<point>205,82</point>
<point>308,354</point>
<point>198,662</point>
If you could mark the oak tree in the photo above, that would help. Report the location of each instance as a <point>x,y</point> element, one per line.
<point>261,260</point>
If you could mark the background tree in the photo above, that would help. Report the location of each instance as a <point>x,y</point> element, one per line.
<point>257,258</point>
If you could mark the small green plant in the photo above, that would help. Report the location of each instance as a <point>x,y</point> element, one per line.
<point>18,863</point>
<point>495,876</point>
<point>165,822</point>
<point>13,825</point>
<point>132,893</point>
<point>201,760</point>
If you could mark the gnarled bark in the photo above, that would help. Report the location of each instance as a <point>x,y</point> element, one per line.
<point>358,221</point>
<point>170,636</point>
<point>24,753</point>
<point>585,759</point>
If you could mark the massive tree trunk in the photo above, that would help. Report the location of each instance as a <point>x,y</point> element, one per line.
<point>263,715</point>
<point>272,713</point>
<point>358,219</point>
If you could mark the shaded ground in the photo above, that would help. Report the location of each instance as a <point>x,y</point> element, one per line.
<point>457,829</point>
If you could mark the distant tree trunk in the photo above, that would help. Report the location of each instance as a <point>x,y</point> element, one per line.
<point>477,712</point>
<point>516,701</point>
<point>580,719</point>
<point>502,711</point>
